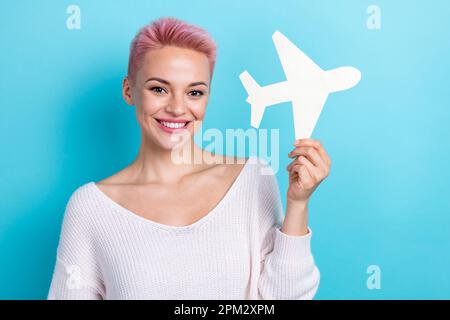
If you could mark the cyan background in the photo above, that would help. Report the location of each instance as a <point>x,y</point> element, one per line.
<point>63,122</point>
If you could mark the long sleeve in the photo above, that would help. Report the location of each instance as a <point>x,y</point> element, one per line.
<point>76,274</point>
<point>288,269</point>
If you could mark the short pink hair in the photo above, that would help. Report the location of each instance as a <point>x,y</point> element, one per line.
<point>168,31</point>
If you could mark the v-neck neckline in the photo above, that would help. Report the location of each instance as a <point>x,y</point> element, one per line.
<point>131,214</point>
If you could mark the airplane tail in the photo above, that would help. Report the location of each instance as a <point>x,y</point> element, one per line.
<point>257,107</point>
<point>342,78</point>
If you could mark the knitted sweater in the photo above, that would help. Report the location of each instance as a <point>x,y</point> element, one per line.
<point>236,251</point>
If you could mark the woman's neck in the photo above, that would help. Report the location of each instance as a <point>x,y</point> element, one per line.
<point>155,163</point>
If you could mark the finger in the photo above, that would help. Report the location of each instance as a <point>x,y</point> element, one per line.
<point>316,144</point>
<point>321,151</point>
<point>312,154</point>
<point>306,142</point>
<point>314,172</point>
<point>292,163</point>
<point>289,166</point>
<point>302,175</point>
<point>324,155</point>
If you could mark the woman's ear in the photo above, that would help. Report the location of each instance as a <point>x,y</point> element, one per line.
<point>126,91</point>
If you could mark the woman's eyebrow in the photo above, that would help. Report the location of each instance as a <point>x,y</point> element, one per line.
<point>198,83</point>
<point>168,83</point>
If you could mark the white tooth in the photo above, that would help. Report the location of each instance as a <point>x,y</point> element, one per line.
<point>173,125</point>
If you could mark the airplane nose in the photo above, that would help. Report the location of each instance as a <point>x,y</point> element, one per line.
<point>342,78</point>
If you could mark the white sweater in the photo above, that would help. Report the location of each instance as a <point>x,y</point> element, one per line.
<point>236,251</point>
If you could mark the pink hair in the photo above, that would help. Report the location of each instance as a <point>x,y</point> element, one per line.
<point>169,31</point>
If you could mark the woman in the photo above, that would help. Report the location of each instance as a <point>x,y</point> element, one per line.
<point>163,230</point>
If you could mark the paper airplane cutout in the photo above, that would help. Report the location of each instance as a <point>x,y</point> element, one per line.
<point>307,86</point>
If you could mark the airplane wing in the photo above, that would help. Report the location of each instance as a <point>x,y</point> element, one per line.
<point>297,66</point>
<point>306,109</point>
<point>257,112</point>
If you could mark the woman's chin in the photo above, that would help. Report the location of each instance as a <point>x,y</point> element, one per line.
<point>173,141</point>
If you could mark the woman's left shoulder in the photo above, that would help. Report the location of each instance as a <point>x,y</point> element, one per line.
<point>260,166</point>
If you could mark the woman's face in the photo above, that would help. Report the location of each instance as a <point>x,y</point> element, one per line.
<point>170,93</point>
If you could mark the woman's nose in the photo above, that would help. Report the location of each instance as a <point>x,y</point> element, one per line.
<point>176,105</point>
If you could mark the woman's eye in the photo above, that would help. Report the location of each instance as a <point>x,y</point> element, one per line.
<point>196,93</point>
<point>157,89</point>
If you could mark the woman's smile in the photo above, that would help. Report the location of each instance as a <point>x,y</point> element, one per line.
<point>172,125</point>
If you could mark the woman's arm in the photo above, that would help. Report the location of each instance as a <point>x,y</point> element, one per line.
<point>288,267</point>
<point>289,271</point>
<point>76,275</point>
<point>309,168</point>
